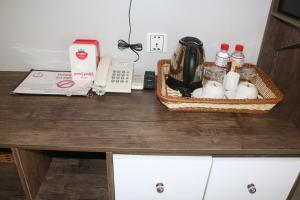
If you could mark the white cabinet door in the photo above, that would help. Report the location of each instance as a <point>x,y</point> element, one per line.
<point>252,178</point>
<point>160,177</point>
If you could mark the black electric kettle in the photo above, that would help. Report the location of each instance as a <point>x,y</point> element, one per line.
<point>186,70</point>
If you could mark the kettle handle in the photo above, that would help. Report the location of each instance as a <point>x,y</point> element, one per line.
<point>190,63</point>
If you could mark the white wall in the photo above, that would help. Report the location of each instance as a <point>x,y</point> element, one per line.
<point>37,33</point>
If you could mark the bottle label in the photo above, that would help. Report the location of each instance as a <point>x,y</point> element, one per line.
<point>221,61</point>
<point>239,62</point>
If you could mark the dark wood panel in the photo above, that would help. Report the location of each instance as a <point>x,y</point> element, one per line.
<point>110,176</point>
<point>32,167</point>
<point>137,106</point>
<point>267,52</point>
<point>286,74</point>
<point>286,19</point>
<point>274,5</point>
<point>166,136</point>
<point>279,57</point>
<point>10,185</point>
<point>287,37</point>
<point>75,179</point>
<point>295,191</point>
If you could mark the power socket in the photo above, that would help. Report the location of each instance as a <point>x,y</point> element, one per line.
<point>156,42</point>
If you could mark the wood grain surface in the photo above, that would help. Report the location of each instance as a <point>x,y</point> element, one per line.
<point>10,185</point>
<point>279,58</point>
<point>74,178</point>
<point>110,176</point>
<point>134,123</point>
<point>32,168</point>
<point>295,191</point>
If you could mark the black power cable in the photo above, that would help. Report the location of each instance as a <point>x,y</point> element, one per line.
<point>125,45</point>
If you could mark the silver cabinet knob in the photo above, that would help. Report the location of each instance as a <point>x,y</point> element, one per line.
<point>252,189</point>
<point>160,187</point>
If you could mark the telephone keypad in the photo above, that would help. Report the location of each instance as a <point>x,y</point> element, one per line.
<point>120,76</point>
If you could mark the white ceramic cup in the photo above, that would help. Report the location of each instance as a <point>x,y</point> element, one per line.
<point>246,90</point>
<point>213,90</point>
<point>197,93</point>
<point>231,81</point>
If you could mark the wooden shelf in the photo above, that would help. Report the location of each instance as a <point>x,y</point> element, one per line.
<point>286,19</point>
<point>72,176</point>
<point>10,185</point>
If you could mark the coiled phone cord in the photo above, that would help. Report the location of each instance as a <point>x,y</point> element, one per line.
<point>125,45</point>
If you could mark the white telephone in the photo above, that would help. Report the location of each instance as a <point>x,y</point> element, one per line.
<point>113,76</point>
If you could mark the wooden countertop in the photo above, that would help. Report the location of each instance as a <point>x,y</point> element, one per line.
<point>135,123</point>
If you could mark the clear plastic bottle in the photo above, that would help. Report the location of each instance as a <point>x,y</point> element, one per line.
<point>237,57</point>
<point>222,57</point>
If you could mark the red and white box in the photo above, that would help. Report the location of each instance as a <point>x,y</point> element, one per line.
<point>84,59</point>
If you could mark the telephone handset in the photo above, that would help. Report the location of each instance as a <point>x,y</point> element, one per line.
<point>113,76</point>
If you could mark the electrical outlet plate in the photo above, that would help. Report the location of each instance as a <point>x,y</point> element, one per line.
<point>156,42</point>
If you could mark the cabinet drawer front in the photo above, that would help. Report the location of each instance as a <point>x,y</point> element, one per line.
<point>160,177</point>
<point>252,178</point>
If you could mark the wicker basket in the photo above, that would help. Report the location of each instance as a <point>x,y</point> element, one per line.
<point>174,101</point>
<point>6,157</point>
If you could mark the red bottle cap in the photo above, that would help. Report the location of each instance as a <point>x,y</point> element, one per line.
<point>239,47</point>
<point>224,46</point>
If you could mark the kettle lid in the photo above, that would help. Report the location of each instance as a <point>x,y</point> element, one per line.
<point>191,40</point>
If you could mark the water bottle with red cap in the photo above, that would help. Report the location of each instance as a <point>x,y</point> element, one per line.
<point>237,57</point>
<point>218,71</point>
<point>222,56</point>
